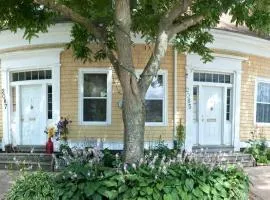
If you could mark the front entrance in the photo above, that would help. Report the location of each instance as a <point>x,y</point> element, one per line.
<point>212,109</point>
<point>211,115</point>
<point>32,111</point>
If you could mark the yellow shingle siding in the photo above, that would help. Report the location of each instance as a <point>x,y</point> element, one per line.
<point>69,96</point>
<point>251,69</point>
<point>1,111</point>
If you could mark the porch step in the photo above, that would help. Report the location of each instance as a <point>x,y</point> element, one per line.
<point>212,148</point>
<point>30,148</point>
<point>27,161</point>
<point>223,158</point>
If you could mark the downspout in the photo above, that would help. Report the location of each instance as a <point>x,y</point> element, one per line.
<point>175,94</point>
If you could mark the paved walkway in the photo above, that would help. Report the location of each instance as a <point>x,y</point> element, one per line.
<point>260,182</point>
<point>6,179</point>
<point>259,177</point>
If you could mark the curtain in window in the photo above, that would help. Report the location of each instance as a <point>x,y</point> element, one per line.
<point>263,103</point>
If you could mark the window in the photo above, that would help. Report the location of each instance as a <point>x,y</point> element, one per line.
<point>263,102</point>
<point>212,77</point>
<point>49,96</point>
<point>95,96</point>
<point>195,102</point>
<point>228,104</point>
<point>155,101</point>
<point>31,75</point>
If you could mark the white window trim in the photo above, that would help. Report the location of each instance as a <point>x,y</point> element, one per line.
<point>164,122</point>
<point>107,71</point>
<point>257,81</point>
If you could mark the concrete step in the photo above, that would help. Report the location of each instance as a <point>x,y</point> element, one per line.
<point>41,157</point>
<point>224,158</point>
<point>30,148</point>
<point>34,161</point>
<point>212,148</point>
<point>31,166</point>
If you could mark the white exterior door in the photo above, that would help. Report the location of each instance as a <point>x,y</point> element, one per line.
<point>211,115</point>
<point>32,111</point>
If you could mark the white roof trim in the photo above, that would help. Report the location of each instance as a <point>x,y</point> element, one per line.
<point>60,33</point>
<point>237,42</point>
<point>57,34</point>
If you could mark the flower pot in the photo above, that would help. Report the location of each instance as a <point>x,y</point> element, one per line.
<point>49,146</point>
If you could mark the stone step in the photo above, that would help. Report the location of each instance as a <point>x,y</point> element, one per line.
<point>30,148</point>
<point>37,157</point>
<point>17,161</point>
<point>236,158</point>
<point>224,158</point>
<point>212,149</point>
<point>11,165</point>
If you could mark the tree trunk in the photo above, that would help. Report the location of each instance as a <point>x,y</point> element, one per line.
<point>133,103</point>
<point>134,122</point>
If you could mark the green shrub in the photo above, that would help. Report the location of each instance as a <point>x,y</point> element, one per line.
<point>37,186</point>
<point>169,180</point>
<point>258,149</point>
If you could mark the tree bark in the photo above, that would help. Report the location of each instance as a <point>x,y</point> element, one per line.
<point>134,122</point>
<point>133,112</point>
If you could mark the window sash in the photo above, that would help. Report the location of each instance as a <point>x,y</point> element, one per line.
<point>107,98</point>
<point>149,98</point>
<point>263,102</point>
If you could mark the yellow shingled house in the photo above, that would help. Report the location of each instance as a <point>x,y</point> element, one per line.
<point>218,102</point>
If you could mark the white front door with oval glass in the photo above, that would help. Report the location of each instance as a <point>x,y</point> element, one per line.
<point>211,115</point>
<point>33,103</point>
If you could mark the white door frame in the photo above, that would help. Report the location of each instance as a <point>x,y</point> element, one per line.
<point>38,59</point>
<point>222,64</point>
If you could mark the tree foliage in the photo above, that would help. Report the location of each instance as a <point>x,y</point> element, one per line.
<point>110,24</point>
<point>145,15</point>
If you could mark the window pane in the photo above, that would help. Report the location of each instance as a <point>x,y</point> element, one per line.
<point>21,76</point>
<point>196,77</point>
<point>49,114</point>
<point>95,85</point>
<point>28,75</point>
<point>263,113</point>
<point>15,77</point>
<point>263,93</point>
<point>156,89</point>
<point>41,75</point>
<point>202,77</point>
<point>209,77</point>
<point>34,75</point>
<point>154,111</point>
<point>195,103</point>
<point>94,110</point>
<point>221,78</point>
<point>227,78</point>
<point>49,88</point>
<point>48,74</point>
<point>228,103</point>
<point>215,78</point>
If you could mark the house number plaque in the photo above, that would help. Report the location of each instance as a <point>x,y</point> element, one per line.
<point>4,98</point>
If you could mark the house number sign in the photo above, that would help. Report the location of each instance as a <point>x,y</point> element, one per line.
<point>4,98</point>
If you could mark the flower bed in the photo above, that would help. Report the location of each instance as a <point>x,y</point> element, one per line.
<point>154,177</point>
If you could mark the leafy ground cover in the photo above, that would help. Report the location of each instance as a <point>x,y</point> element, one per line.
<point>92,174</point>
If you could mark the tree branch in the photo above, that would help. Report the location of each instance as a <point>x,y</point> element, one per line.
<point>98,32</point>
<point>153,64</point>
<point>184,25</point>
<point>73,16</point>
<point>177,10</point>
